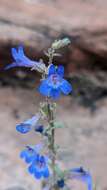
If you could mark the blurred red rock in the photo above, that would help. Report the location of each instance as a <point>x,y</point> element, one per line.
<point>36,23</point>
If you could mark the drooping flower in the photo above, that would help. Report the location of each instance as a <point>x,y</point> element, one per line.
<point>82,175</point>
<point>21,60</point>
<point>39,167</point>
<point>27,125</point>
<point>55,84</point>
<point>29,154</point>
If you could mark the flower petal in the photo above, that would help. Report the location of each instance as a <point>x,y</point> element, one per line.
<point>31,169</point>
<point>29,155</point>
<point>51,70</point>
<point>55,93</point>
<point>23,154</point>
<point>29,158</point>
<point>45,172</point>
<point>44,89</point>
<point>60,70</point>
<point>14,64</point>
<point>66,87</point>
<point>37,174</point>
<point>20,57</point>
<point>21,51</point>
<point>23,128</point>
<point>82,175</point>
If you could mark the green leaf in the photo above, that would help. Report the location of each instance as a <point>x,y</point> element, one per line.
<point>59,172</point>
<point>58,125</point>
<point>43,108</point>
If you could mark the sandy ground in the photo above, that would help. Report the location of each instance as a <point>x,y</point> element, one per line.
<point>85,137</point>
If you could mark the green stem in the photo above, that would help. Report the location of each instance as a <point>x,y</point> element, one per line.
<point>52,137</point>
<point>51,54</point>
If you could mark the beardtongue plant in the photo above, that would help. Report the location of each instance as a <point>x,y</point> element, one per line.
<point>41,159</point>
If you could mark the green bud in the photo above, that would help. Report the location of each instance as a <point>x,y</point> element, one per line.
<point>57,44</point>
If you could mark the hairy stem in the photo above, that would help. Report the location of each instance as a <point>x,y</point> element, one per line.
<point>51,138</point>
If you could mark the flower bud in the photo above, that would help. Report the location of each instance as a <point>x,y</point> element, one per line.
<point>57,44</point>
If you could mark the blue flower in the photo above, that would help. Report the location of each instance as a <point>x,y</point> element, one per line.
<point>38,163</point>
<point>61,183</point>
<point>54,84</point>
<point>39,128</point>
<point>82,175</point>
<point>20,60</point>
<point>39,167</point>
<point>30,153</point>
<point>27,125</point>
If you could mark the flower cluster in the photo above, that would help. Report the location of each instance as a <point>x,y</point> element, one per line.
<point>52,85</point>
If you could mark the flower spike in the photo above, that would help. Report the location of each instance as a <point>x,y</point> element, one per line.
<point>42,159</point>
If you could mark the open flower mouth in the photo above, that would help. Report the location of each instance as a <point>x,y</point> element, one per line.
<point>55,80</point>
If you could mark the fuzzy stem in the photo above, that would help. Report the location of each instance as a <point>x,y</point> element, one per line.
<point>51,119</point>
<point>51,137</point>
<point>51,141</point>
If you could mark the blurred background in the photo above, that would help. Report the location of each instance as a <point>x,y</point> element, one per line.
<point>35,24</point>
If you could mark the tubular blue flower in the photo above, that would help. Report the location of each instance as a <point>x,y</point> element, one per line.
<point>82,175</point>
<point>30,153</point>
<point>27,125</point>
<point>61,183</point>
<point>54,84</point>
<point>22,61</point>
<point>39,167</point>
